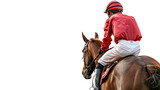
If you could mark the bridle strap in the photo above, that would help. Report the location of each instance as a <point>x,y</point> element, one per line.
<point>96,58</point>
<point>86,50</point>
<point>93,61</point>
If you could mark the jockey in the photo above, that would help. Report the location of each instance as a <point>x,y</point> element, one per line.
<point>126,34</point>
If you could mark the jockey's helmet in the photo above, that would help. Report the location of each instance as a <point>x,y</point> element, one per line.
<point>113,5</point>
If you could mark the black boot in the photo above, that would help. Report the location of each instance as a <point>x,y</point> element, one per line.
<point>98,72</point>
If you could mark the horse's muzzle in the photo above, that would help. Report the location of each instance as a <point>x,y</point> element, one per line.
<point>85,74</point>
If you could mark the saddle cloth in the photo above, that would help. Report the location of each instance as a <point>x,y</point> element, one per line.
<point>106,71</point>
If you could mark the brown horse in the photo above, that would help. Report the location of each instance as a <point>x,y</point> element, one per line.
<point>131,73</point>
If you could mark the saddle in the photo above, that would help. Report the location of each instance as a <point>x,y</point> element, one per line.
<point>108,69</point>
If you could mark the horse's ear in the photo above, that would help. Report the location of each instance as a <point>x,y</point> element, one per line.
<point>96,35</point>
<point>84,38</point>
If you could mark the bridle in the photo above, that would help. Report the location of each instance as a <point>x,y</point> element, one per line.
<point>86,51</point>
<point>93,61</point>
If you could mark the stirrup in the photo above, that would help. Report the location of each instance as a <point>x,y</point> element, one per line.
<point>97,78</point>
<point>93,87</point>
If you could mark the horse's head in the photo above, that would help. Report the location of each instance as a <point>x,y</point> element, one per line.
<point>90,51</point>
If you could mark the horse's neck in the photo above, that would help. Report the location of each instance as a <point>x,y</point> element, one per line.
<point>95,46</point>
<point>95,51</point>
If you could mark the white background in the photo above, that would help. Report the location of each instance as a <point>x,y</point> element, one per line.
<point>41,42</point>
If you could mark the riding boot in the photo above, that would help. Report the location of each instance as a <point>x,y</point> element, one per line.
<point>98,72</point>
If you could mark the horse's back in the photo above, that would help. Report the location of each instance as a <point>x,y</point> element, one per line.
<point>142,60</point>
<point>133,62</point>
<point>130,73</point>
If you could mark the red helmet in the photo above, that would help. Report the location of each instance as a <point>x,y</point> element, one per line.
<point>113,5</point>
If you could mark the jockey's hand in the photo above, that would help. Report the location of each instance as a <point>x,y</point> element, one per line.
<point>100,52</point>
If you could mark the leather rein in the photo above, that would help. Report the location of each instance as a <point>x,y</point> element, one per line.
<point>93,61</point>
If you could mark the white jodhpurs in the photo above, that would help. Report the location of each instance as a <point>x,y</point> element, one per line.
<point>122,49</point>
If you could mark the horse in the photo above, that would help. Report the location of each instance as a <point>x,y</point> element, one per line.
<point>131,73</point>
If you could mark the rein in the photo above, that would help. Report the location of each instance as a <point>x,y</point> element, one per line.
<point>95,57</point>
<point>93,61</point>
